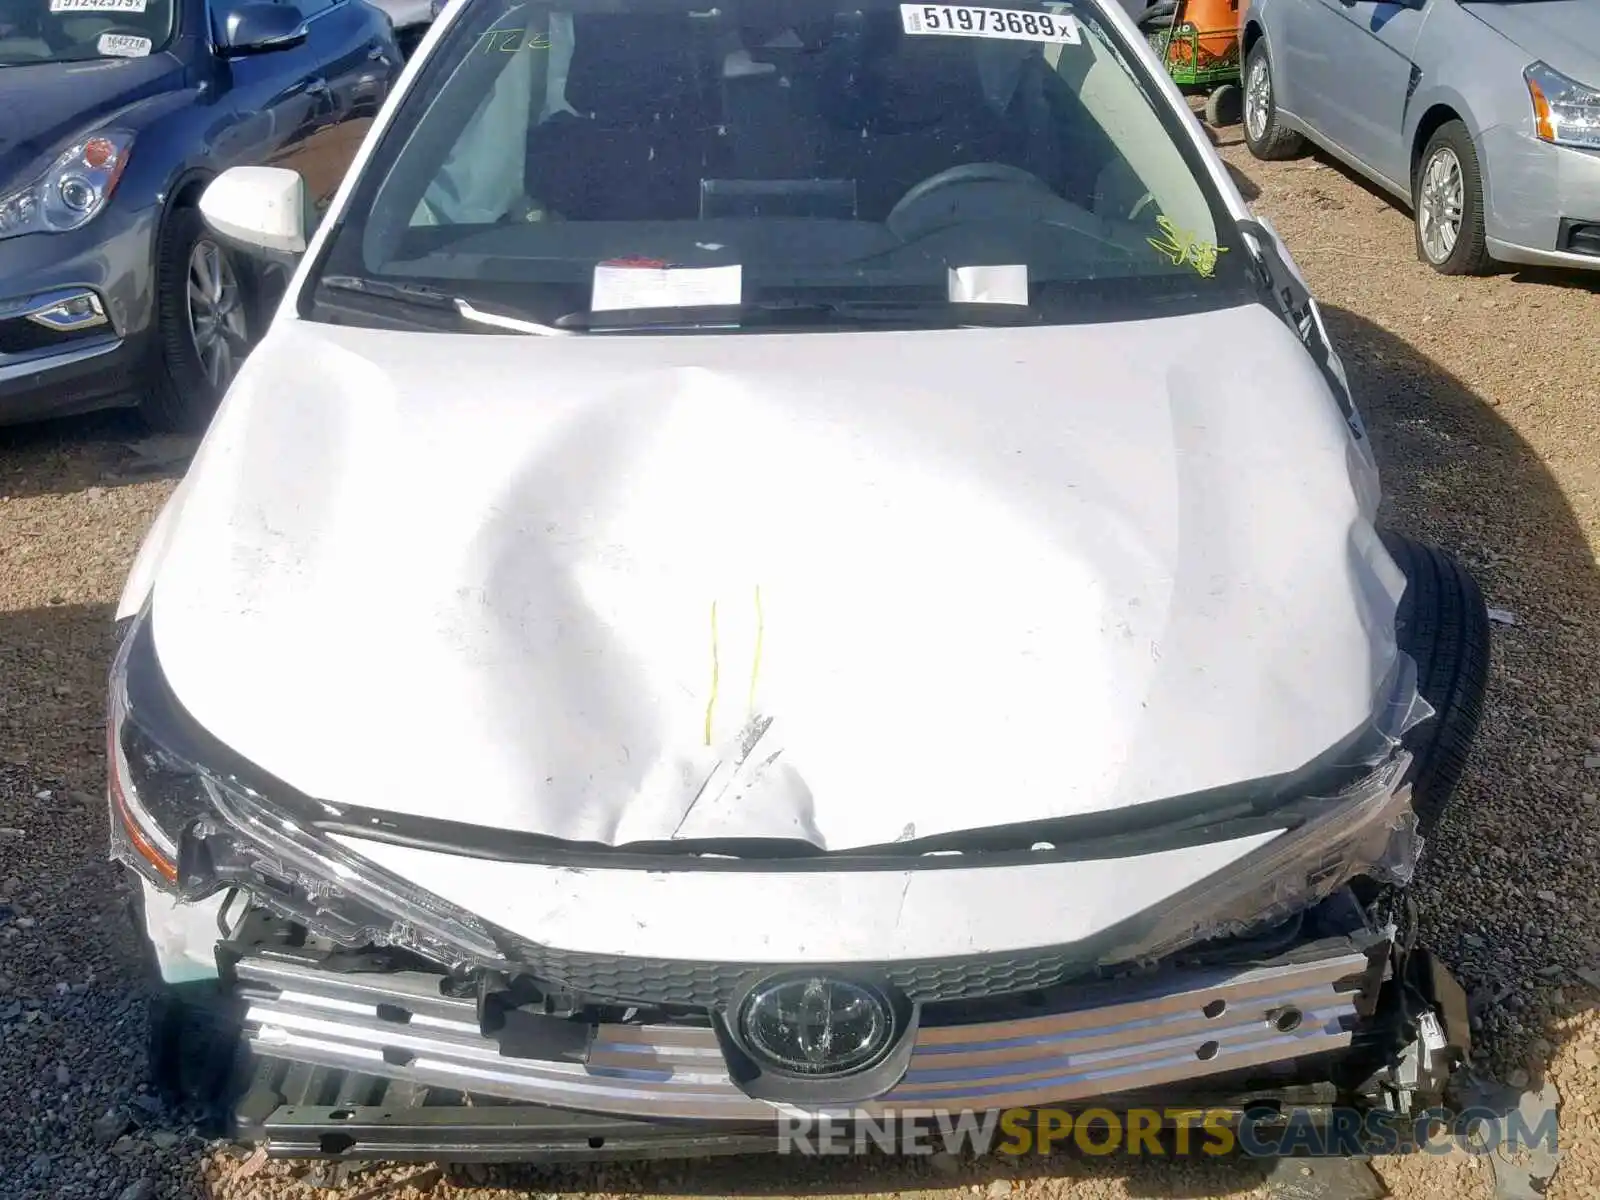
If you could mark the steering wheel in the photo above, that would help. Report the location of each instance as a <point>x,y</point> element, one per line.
<point>978,172</point>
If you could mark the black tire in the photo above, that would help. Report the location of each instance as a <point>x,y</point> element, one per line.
<point>1157,16</point>
<point>178,396</point>
<point>1270,140</point>
<point>1443,625</point>
<point>1469,254</point>
<point>1225,106</point>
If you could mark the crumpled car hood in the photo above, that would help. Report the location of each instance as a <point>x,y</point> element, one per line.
<point>850,588</point>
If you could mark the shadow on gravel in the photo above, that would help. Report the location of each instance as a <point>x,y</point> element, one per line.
<point>74,453</point>
<point>1579,281</point>
<point>1508,889</point>
<point>71,1001</point>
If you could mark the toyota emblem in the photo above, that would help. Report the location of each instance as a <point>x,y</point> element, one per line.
<point>816,1025</point>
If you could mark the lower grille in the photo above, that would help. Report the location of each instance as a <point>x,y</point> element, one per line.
<point>1579,237</point>
<point>1186,1026</point>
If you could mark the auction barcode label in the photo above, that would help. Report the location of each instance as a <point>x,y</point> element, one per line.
<point>133,6</point>
<point>123,45</point>
<point>963,20</point>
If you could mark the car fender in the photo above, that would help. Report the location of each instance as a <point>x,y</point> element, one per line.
<point>1433,94</point>
<point>160,187</point>
<point>157,122</point>
<point>147,561</point>
<point>1489,95</point>
<point>1256,26</point>
<point>1428,100</point>
<point>183,188</point>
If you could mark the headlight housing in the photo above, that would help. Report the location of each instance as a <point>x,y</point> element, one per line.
<point>1368,830</point>
<point>73,189</point>
<point>1565,112</point>
<point>193,828</point>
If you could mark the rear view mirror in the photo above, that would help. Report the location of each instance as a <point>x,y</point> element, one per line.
<point>259,28</point>
<point>263,211</point>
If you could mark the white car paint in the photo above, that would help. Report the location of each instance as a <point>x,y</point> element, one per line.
<point>1004,575</point>
<point>182,937</point>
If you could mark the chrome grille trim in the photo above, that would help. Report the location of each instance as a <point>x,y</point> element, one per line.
<point>1156,1034</point>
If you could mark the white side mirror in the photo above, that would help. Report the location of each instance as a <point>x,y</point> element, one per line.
<point>260,209</point>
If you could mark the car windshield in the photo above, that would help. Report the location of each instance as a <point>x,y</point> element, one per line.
<point>616,163</point>
<point>61,31</point>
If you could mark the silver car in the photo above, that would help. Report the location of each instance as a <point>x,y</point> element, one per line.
<point>1483,115</point>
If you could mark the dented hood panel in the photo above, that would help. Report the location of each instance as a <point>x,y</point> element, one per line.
<point>850,588</point>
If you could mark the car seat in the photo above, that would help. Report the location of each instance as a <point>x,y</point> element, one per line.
<point>636,150</point>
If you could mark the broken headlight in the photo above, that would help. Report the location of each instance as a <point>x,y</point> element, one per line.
<point>1367,830</point>
<point>186,822</point>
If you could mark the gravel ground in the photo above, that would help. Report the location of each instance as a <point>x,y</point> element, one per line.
<point>1484,403</point>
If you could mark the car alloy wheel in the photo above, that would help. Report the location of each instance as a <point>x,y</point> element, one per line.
<point>1258,99</point>
<point>216,313</point>
<point>1441,204</point>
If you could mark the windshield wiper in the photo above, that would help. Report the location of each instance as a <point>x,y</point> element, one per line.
<point>422,297</point>
<point>917,313</point>
<point>509,323</point>
<point>410,293</point>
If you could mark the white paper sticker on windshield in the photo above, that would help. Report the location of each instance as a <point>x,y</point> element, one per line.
<point>133,6</point>
<point>123,45</point>
<point>963,20</point>
<point>639,285</point>
<point>989,285</point>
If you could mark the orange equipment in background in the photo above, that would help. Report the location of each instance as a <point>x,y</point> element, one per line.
<point>1198,42</point>
<point>1216,25</point>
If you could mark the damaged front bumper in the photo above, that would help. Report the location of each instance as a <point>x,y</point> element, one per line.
<point>349,1058</point>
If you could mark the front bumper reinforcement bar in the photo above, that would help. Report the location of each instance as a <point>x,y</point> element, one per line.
<point>1089,1042</point>
<point>367,1065</point>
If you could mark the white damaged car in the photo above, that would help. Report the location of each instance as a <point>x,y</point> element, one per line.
<point>791,559</point>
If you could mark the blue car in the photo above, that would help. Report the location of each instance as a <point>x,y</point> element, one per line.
<point>116,113</point>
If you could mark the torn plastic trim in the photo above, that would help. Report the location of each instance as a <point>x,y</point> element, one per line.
<point>1237,810</point>
<point>223,836</point>
<point>1370,831</point>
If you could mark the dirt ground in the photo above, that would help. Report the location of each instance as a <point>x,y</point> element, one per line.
<point>1483,396</point>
